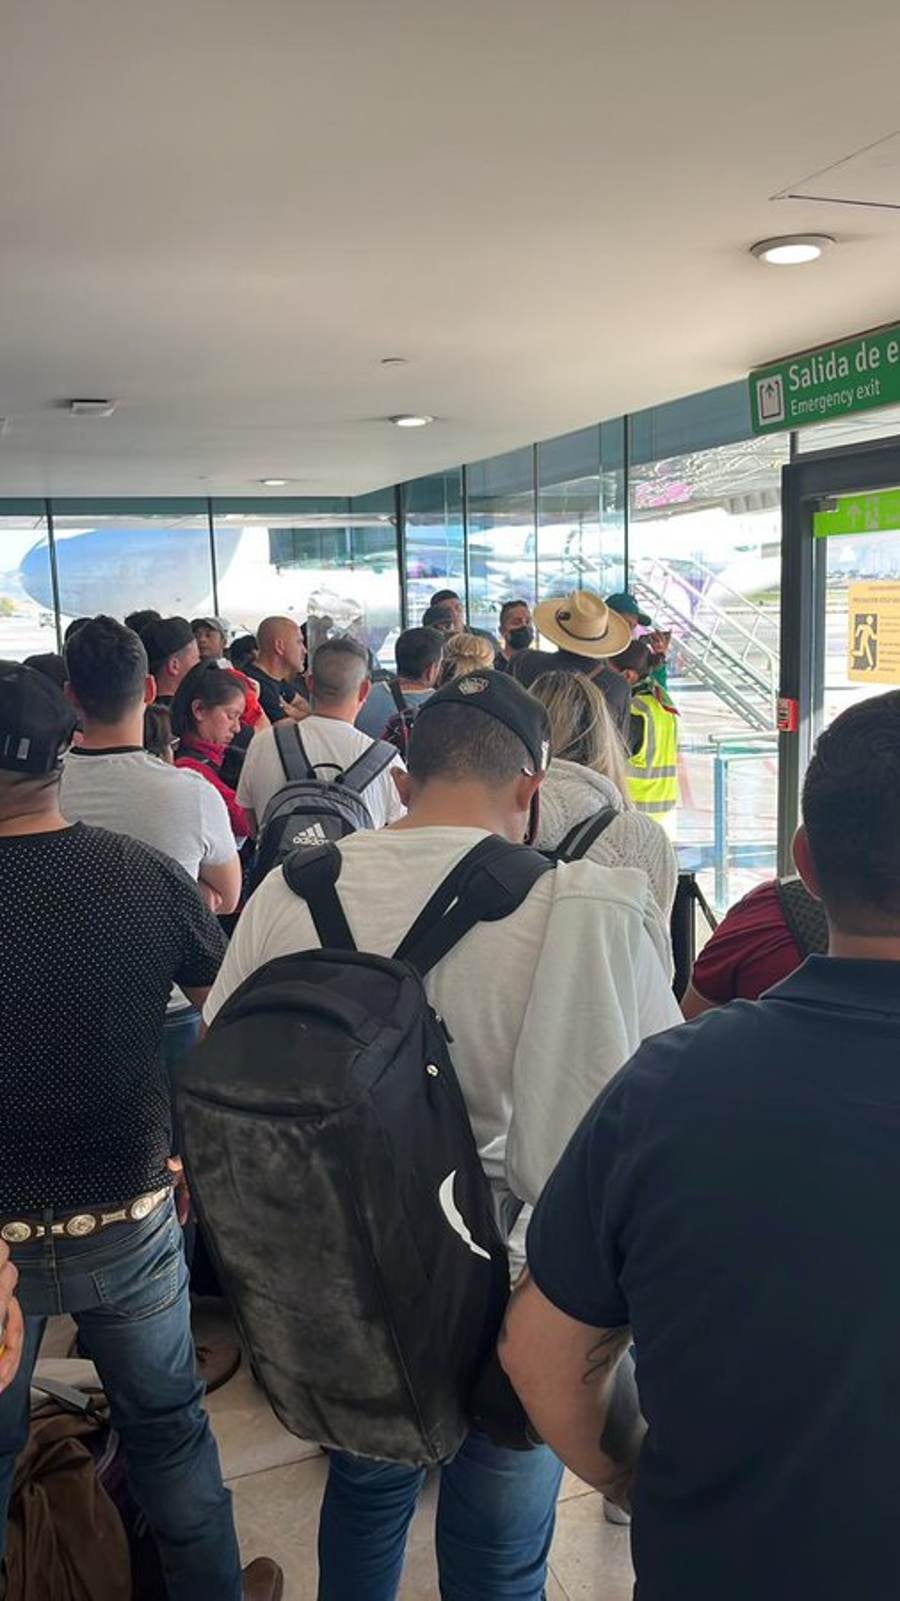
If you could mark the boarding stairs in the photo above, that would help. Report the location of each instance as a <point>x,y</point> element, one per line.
<point>725,641</point>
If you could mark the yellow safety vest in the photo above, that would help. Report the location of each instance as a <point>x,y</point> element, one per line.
<point>652,770</point>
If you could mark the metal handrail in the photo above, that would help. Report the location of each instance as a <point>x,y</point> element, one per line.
<point>748,686</point>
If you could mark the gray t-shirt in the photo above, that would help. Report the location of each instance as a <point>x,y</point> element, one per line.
<point>131,792</point>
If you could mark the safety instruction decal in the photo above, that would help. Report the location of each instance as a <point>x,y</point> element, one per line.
<point>873,632</point>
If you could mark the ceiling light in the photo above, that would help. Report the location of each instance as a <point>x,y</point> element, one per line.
<point>273,483</point>
<point>792,249</point>
<point>411,421</point>
<point>91,408</point>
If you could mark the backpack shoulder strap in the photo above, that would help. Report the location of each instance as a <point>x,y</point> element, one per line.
<point>579,839</point>
<point>490,883</point>
<point>398,696</point>
<point>292,751</point>
<point>313,875</point>
<point>368,766</point>
<point>804,915</point>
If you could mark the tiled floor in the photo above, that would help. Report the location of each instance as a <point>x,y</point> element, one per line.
<point>277,1483</point>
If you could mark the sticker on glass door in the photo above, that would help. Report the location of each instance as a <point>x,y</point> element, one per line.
<point>873,632</point>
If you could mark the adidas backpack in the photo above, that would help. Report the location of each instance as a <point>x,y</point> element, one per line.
<point>309,810</point>
<point>330,1155</point>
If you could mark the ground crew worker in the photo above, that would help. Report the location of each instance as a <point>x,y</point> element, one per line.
<point>653,762</point>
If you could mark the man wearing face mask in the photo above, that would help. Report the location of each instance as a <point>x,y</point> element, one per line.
<point>516,632</point>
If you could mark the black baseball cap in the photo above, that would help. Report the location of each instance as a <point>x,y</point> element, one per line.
<point>498,695</point>
<point>36,722</point>
<point>166,638</point>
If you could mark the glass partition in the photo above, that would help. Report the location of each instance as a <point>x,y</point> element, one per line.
<point>27,614</point>
<point>705,564</point>
<point>131,557</point>
<point>502,535</point>
<point>435,539</point>
<point>335,560</point>
<point>581,511</point>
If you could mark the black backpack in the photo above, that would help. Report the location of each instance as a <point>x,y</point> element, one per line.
<point>400,725</point>
<point>804,916</point>
<point>579,839</point>
<point>310,811</point>
<point>330,1154</point>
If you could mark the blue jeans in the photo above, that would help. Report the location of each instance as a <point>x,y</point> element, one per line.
<point>496,1513</point>
<point>127,1291</point>
<point>180,1032</point>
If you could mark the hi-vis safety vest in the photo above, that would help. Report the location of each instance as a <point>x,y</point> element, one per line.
<point>652,770</point>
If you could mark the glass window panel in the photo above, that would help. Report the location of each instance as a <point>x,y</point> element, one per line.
<point>122,557</point>
<point>27,617</point>
<point>502,543</point>
<point>581,511</point>
<point>335,561</point>
<point>435,543</point>
<point>696,422</point>
<point>705,562</point>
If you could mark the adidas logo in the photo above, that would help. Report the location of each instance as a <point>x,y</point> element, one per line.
<point>314,835</point>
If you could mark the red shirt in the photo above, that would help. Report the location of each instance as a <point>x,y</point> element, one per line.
<point>205,758</point>
<point>751,950</point>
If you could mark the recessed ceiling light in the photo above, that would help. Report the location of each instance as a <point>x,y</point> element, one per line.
<point>406,420</point>
<point>273,483</point>
<point>91,408</point>
<point>793,249</point>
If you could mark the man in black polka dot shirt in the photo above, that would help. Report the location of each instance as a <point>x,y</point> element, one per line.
<point>95,928</point>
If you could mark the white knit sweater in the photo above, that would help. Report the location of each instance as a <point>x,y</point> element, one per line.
<point>571,794</point>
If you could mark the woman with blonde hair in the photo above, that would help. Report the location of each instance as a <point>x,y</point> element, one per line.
<point>587,777</point>
<point>467,653</point>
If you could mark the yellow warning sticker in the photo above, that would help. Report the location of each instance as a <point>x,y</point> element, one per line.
<point>873,632</point>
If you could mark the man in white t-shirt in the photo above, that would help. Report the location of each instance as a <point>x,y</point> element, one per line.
<point>339,684</point>
<point>541,1010</point>
<point>110,781</point>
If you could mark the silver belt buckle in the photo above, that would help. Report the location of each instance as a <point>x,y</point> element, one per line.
<point>82,1224</point>
<point>16,1233</point>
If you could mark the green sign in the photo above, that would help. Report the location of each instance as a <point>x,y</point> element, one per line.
<point>878,513</point>
<point>834,381</point>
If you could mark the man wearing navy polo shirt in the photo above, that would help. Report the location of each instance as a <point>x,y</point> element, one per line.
<point>731,1204</point>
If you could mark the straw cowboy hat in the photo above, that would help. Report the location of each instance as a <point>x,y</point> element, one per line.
<point>583,624</point>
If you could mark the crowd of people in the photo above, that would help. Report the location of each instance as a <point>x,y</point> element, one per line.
<point>700,1216</point>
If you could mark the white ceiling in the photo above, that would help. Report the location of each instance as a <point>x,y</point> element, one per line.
<point>223,214</point>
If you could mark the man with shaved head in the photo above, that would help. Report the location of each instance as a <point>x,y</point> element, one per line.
<point>339,684</point>
<point>282,656</point>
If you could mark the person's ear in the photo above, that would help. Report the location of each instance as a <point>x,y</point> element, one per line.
<point>805,865</point>
<point>364,689</point>
<point>402,784</point>
<point>197,706</point>
<point>149,689</point>
<point>525,792</point>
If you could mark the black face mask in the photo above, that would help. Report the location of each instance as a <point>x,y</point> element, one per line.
<point>520,638</point>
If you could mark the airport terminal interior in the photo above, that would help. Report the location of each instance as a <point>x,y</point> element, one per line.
<point>315,311</point>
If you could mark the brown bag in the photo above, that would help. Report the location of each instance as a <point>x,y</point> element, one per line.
<point>65,1539</point>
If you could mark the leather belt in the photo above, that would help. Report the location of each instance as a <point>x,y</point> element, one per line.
<point>78,1225</point>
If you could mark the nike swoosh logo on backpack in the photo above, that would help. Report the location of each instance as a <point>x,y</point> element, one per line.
<point>455,1218</point>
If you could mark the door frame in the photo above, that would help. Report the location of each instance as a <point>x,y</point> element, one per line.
<point>806,480</point>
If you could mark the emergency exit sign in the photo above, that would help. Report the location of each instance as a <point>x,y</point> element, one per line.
<point>837,380</point>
